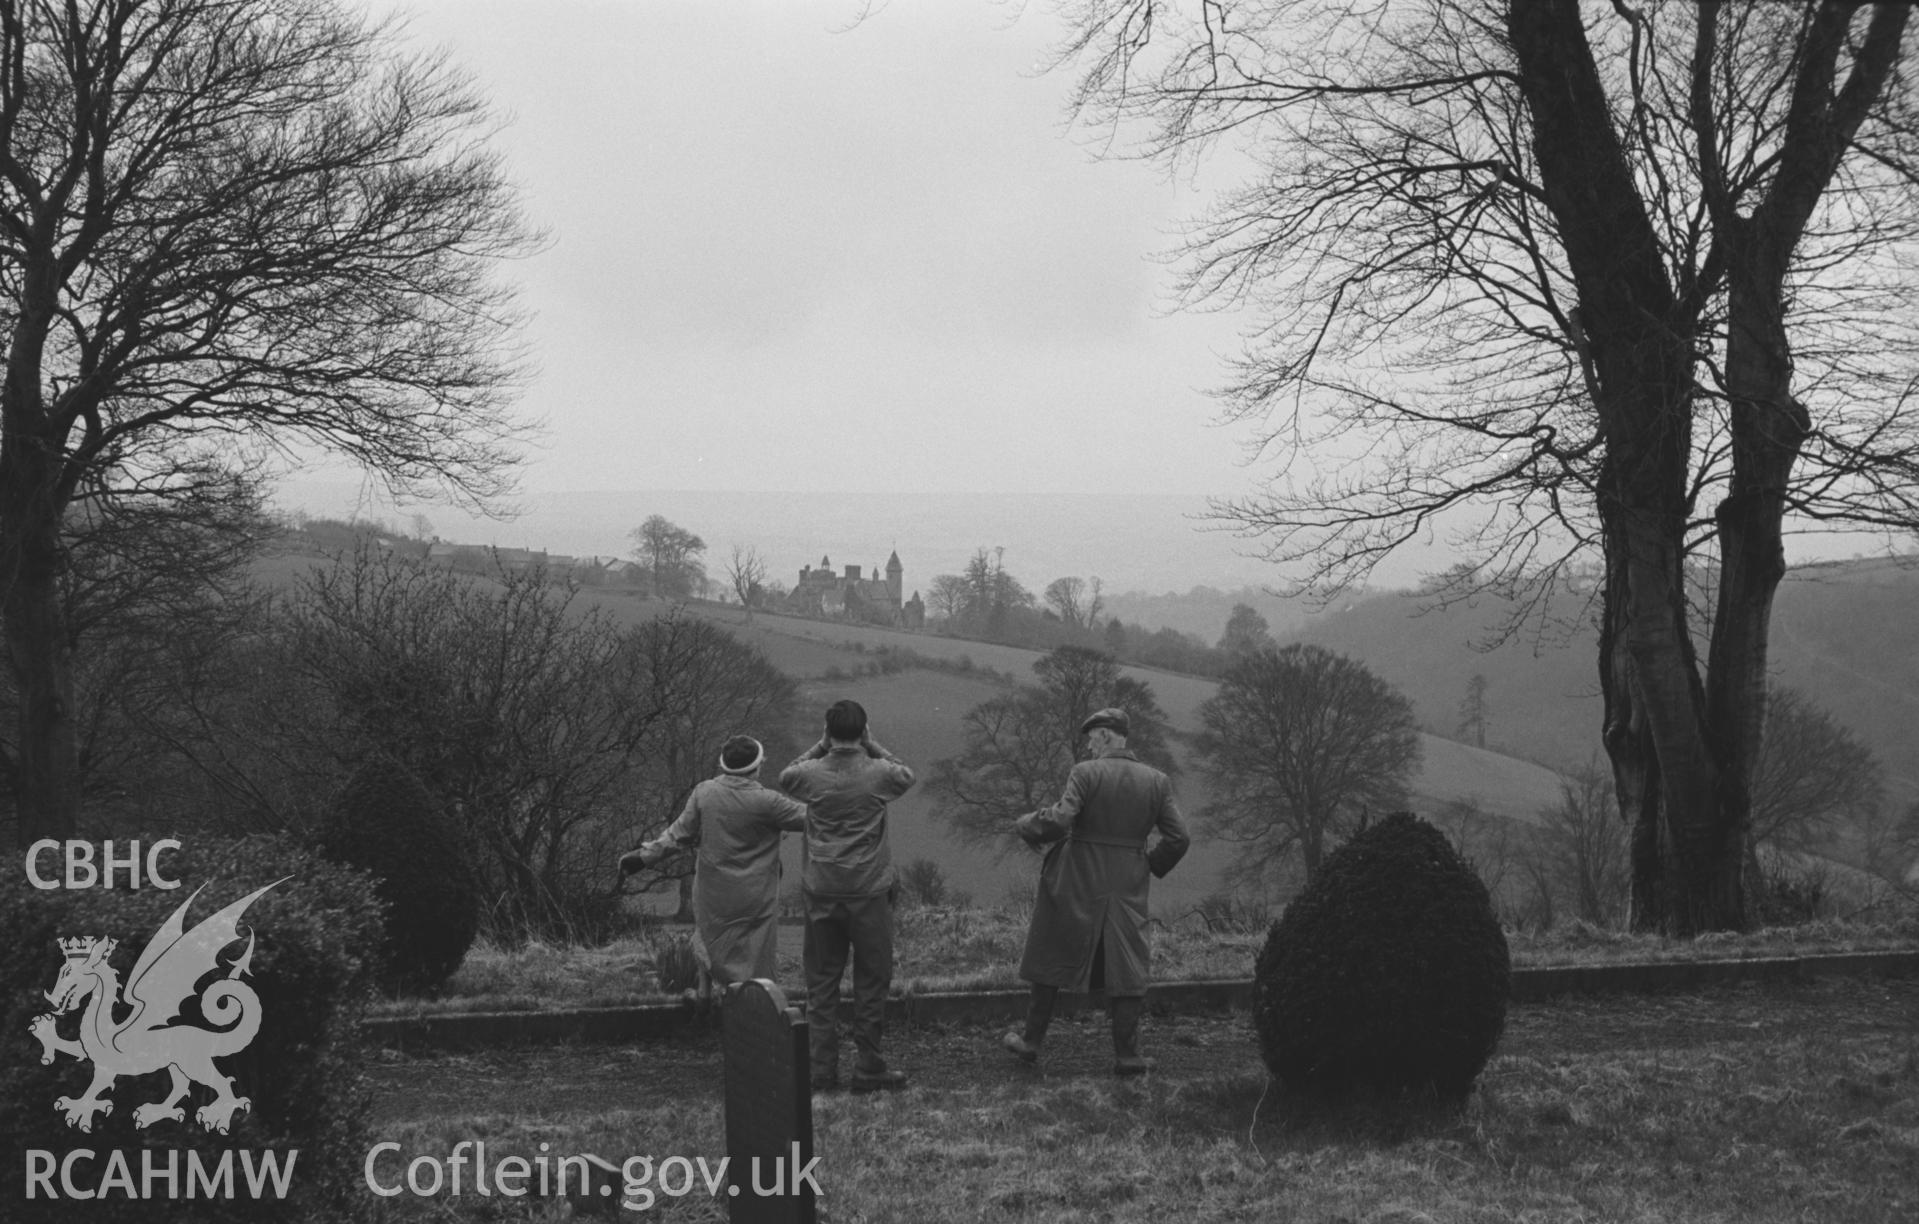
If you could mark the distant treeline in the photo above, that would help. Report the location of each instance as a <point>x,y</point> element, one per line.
<point>987,603</point>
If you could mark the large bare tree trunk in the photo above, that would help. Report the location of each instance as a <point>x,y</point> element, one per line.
<point>1688,842</point>
<point>1768,425</point>
<point>1768,428</point>
<point>47,778</point>
<point>1638,336</point>
<point>35,488</point>
<point>1684,749</point>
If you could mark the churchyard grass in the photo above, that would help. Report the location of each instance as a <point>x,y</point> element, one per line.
<point>1739,1105</point>
<point>966,948</point>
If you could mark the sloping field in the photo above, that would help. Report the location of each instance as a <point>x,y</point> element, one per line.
<point>917,714</point>
<point>1450,770</point>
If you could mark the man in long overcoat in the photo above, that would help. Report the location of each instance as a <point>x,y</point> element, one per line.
<point>1089,918</point>
<point>734,823</point>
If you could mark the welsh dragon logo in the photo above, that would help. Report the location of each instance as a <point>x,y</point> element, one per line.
<point>153,1035</point>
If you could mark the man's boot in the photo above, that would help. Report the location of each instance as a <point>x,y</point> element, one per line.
<point>1039,1015</point>
<point>1126,1056</point>
<point>871,1074</point>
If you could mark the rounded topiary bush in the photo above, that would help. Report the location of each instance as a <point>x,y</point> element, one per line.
<point>1389,973</point>
<point>389,825</point>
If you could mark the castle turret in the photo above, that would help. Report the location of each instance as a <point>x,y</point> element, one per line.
<point>894,573</point>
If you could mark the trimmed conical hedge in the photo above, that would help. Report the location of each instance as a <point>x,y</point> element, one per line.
<point>388,824</point>
<point>1388,973</point>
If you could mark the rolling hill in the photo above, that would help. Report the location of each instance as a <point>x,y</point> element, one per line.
<point>916,713</point>
<point>1845,633</point>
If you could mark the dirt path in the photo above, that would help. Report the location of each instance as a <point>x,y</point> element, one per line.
<point>582,1080</point>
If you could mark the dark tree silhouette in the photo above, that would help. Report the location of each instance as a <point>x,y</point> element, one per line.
<point>1814,777</point>
<point>232,225</point>
<point>1019,747</point>
<point>746,573</point>
<point>1303,745</point>
<point>154,591</point>
<point>713,686</point>
<point>671,556</point>
<point>1077,600</point>
<point>1577,857</point>
<point>1246,631</point>
<point>1474,710</point>
<point>1626,279</point>
<point>525,715</point>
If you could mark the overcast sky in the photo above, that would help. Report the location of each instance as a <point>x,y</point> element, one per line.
<point>793,250</point>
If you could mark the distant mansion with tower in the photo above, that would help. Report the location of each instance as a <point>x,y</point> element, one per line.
<point>848,595</point>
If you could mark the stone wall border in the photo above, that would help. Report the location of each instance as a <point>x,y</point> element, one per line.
<point>653,1021</point>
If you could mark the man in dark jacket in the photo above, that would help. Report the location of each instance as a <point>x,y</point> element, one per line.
<point>1089,918</point>
<point>847,882</point>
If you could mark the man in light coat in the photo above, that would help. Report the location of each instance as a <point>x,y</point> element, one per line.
<point>847,881</point>
<point>734,824</point>
<point>1089,918</point>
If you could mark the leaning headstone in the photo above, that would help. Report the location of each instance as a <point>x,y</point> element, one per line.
<point>771,1172</point>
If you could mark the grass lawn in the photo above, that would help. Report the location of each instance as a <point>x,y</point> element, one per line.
<point>969,948</point>
<point>1790,1103</point>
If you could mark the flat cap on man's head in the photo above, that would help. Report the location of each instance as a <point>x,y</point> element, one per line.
<point>1112,718</point>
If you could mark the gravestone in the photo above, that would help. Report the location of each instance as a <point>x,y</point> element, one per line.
<point>769,1107</point>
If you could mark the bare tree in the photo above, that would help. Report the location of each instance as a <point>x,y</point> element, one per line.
<point>981,574</point>
<point>1484,840</point>
<point>510,706</point>
<point>1630,279</point>
<point>1019,747</point>
<point>746,572</point>
<point>155,589</point>
<point>1579,853</point>
<point>233,224</point>
<point>1080,680</point>
<point>1303,745</point>
<point>1067,596</point>
<point>671,555</point>
<point>1474,710</point>
<point>946,597</point>
<point>1813,779</point>
<point>1246,631</point>
<point>714,686</point>
<point>1013,761</point>
<point>991,593</point>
